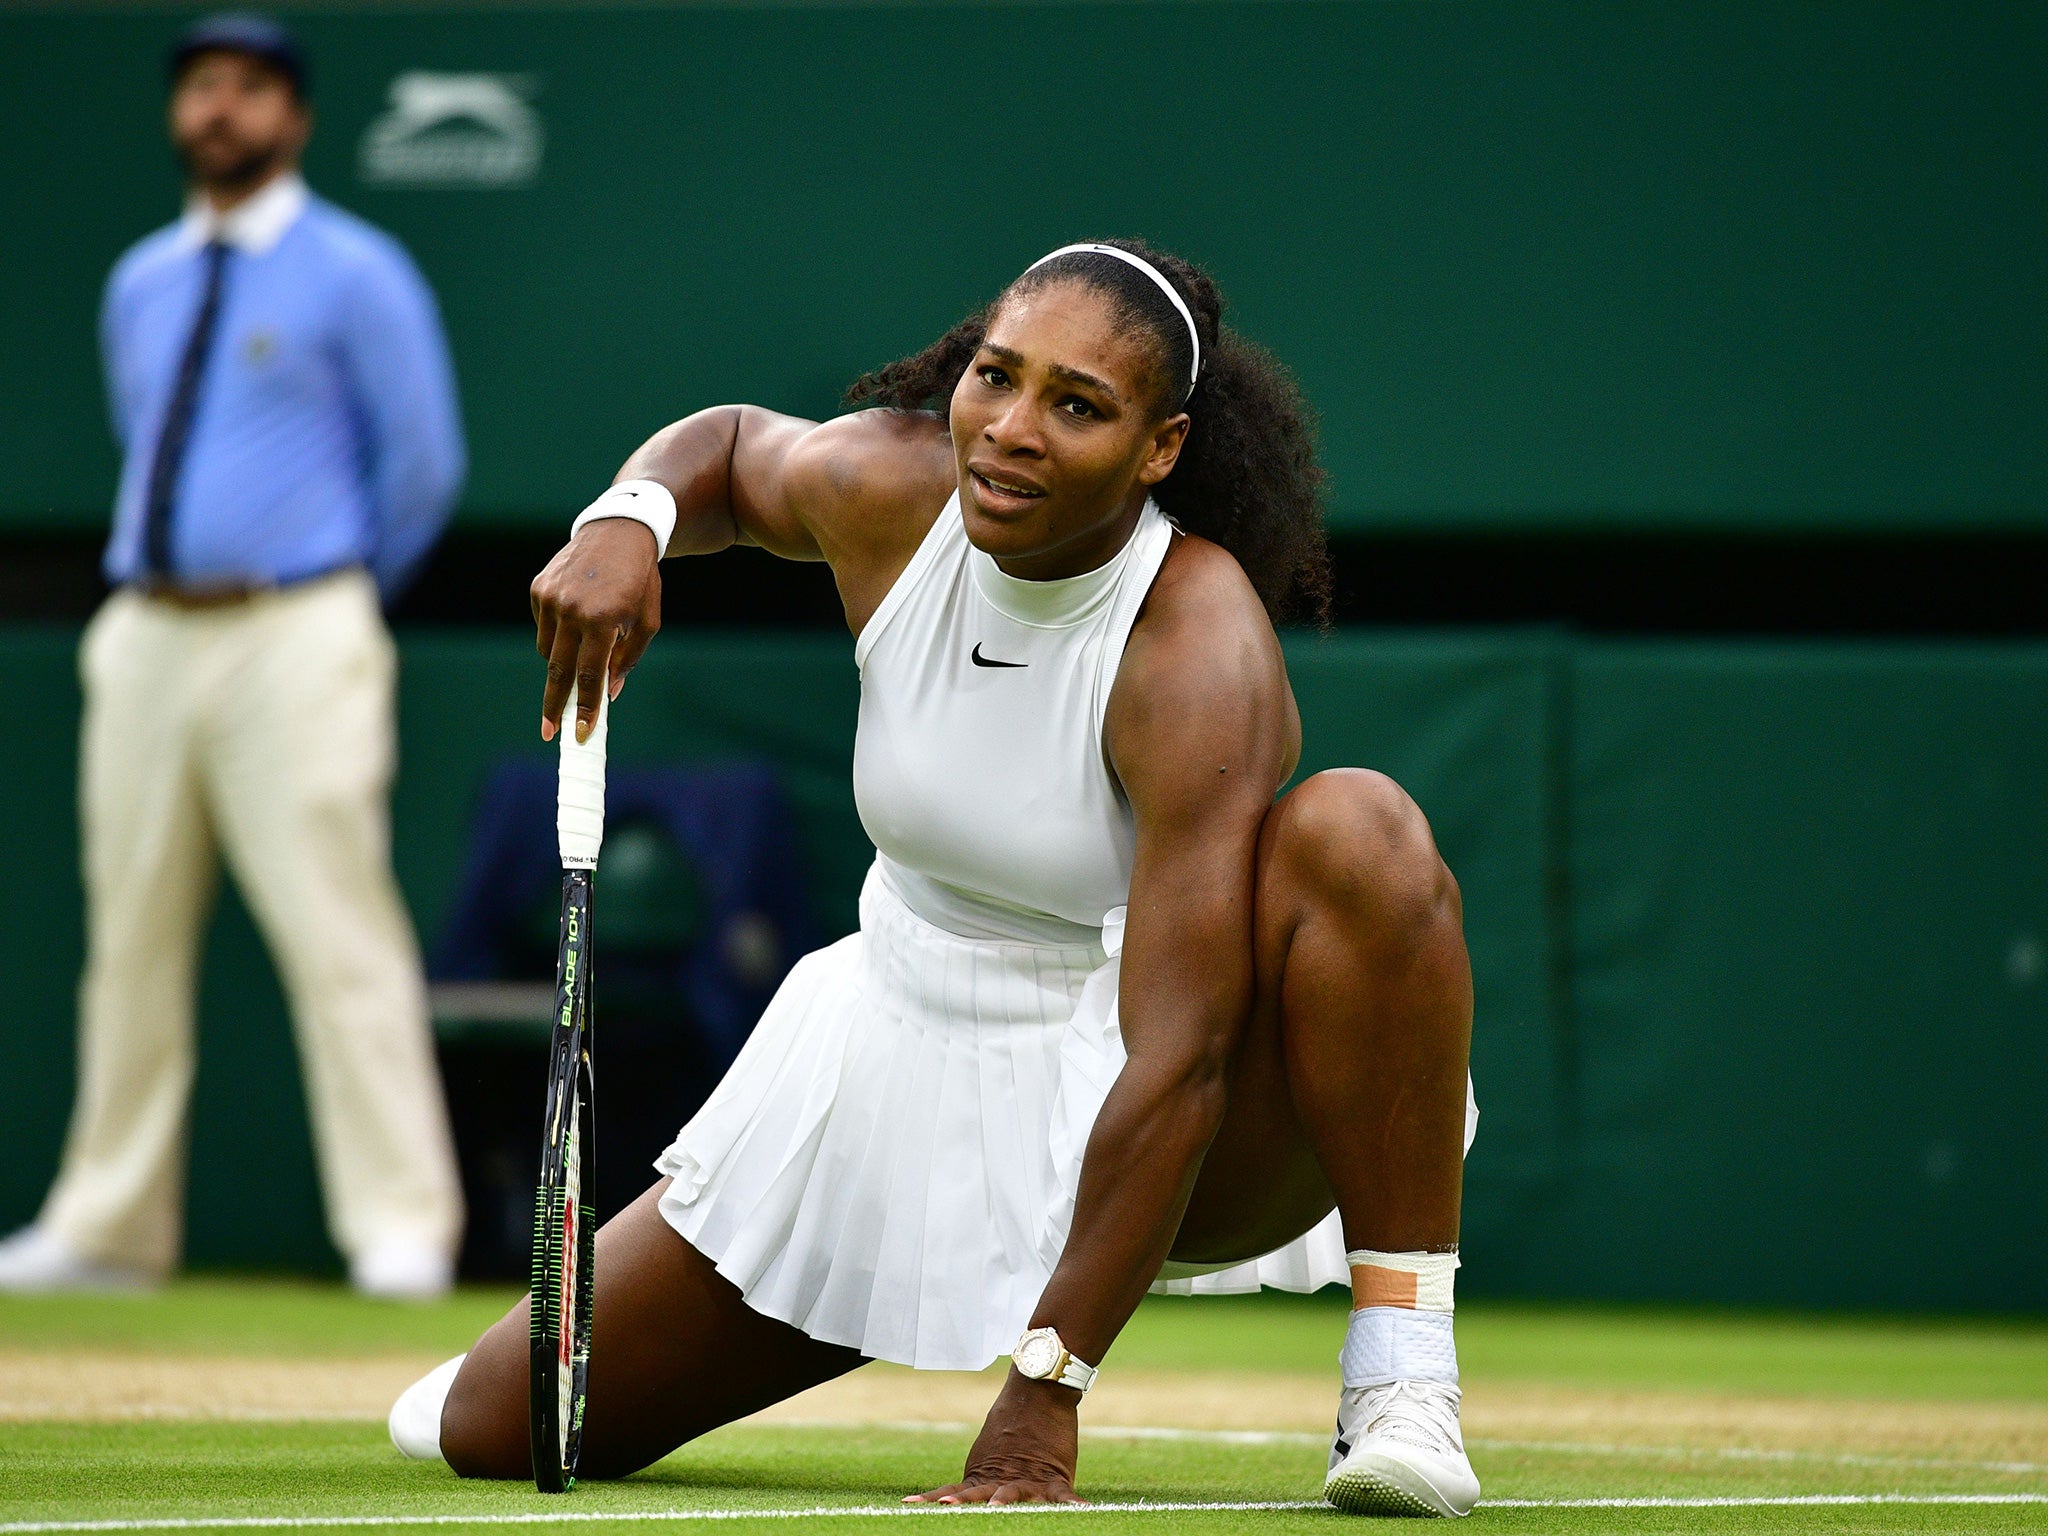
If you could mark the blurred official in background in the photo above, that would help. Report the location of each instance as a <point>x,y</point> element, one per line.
<point>282,392</point>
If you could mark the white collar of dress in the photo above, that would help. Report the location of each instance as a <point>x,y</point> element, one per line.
<point>1061,603</point>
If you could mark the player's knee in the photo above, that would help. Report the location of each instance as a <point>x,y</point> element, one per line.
<point>1354,838</point>
<point>482,1433</point>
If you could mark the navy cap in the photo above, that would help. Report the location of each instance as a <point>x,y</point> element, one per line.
<point>243,32</point>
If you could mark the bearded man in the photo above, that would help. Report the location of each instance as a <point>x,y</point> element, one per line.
<point>283,396</point>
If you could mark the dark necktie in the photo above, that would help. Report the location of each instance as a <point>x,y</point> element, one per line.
<point>177,428</point>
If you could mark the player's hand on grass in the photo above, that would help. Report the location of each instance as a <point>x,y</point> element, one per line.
<point>595,608</point>
<point>1026,1452</point>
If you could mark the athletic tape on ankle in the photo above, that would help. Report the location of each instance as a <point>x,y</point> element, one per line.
<point>1418,1280</point>
<point>1387,1344</point>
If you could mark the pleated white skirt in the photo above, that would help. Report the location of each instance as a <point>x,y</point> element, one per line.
<point>891,1162</point>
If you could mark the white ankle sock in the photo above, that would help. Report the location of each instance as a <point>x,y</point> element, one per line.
<point>1403,1332</point>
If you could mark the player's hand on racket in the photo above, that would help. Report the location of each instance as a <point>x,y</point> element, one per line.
<point>595,608</point>
<point>1026,1452</point>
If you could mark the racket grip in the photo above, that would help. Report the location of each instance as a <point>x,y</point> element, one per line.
<point>579,793</point>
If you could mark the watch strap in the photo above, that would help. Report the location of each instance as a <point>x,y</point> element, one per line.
<point>1076,1375</point>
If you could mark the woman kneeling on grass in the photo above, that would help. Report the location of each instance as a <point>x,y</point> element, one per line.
<point>1116,1018</point>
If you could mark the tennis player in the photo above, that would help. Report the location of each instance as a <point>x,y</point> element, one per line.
<point>1116,1018</point>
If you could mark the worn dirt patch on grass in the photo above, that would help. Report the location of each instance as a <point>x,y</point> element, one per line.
<point>1963,1430</point>
<point>120,1384</point>
<point>112,1385</point>
<point>1517,1411</point>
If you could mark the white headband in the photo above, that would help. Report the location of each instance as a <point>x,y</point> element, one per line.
<point>1172,293</point>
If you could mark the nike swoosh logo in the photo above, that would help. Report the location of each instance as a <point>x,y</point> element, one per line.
<point>982,661</point>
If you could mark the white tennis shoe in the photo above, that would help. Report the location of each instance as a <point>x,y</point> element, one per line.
<point>1397,1451</point>
<point>37,1259</point>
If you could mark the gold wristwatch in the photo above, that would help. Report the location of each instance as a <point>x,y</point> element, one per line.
<point>1041,1356</point>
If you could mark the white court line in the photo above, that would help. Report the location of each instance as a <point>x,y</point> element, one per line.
<point>1169,1432</point>
<point>1561,1447</point>
<point>897,1511</point>
<point>1747,1453</point>
<point>630,1516</point>
<point>1088,1431</point>
<point>1764,1502</point>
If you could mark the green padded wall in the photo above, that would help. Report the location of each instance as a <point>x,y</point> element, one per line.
<point>1760,935</point>
<point>1461,720</point>
<point>1693,264</point>
<point>1809,891</point>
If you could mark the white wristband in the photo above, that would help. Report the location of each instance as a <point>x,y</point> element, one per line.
<point>647,502</point>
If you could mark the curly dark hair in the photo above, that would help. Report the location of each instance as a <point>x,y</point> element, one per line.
<point>1247,476</point>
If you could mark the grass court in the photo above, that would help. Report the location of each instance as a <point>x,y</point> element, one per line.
<point>258,1405</point>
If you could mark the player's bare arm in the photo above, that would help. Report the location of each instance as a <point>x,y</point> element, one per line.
<point>857,492</point>
<point>1202,731</point>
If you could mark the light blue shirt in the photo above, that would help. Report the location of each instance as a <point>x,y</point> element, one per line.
<point>327,431</point>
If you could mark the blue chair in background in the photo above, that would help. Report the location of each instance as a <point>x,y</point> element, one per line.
<point>701,907</point>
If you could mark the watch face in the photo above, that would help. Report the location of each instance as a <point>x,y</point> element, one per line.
<point>1037,1355</point>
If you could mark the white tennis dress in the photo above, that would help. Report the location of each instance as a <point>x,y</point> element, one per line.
<point>891,1162</point>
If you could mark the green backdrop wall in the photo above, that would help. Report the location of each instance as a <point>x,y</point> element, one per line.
<point>1701,263</point>
<point>1760,935</point>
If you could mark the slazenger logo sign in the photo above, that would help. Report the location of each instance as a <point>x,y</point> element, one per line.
<point>454,131</point>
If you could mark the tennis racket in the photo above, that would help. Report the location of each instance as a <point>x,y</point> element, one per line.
<point>564,1218</point>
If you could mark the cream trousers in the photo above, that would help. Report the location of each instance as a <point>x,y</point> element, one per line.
<point>260,733</point>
